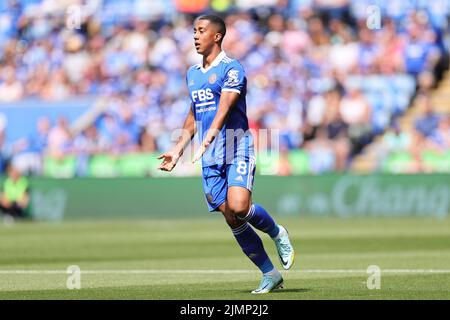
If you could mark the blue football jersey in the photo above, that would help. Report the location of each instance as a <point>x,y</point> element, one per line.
<point>205,87</point>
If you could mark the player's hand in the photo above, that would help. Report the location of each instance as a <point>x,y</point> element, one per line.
<point>169,162</point>
<point>210,136</point>
<point>200,151</point>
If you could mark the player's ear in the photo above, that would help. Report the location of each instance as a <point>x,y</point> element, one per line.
<point>218,37</point>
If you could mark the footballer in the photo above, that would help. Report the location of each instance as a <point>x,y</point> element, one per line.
<point>217,89</point>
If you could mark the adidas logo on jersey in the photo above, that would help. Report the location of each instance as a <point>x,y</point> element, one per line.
<point>239,178</point>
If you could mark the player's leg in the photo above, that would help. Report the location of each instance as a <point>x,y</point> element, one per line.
<point>238,203</point>
<point>241,174</point>
<point>216,193</point>
<point>215,188</point>
<point>259,218</point>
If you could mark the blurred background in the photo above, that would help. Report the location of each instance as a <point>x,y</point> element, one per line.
<point>95,89</point>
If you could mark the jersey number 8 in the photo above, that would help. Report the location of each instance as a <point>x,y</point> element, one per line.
<point>241,167</point>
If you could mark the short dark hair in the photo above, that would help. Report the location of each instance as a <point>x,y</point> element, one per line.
<point>216,20</point>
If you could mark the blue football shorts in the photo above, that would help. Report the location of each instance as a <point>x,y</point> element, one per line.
<point>217,178</point>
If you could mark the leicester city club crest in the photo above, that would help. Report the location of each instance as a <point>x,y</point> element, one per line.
<point>212,78</point>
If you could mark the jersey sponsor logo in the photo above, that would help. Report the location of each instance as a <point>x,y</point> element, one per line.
<point>212,78</point>
<point>232,78</point>
<point>202,95</point>
<point>201,110</point>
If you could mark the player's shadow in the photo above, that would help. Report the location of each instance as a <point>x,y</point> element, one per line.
<point>291,290</point>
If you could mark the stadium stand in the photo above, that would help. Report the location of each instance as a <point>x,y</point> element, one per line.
<point>337,92</point>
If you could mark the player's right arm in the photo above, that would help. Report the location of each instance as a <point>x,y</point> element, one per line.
<point>171,158</point>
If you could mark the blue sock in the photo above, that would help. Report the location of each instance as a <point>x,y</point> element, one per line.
<point>253,247</point>
<point>261,220</point>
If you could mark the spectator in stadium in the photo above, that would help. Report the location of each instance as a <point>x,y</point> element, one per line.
<point>284,167</point>
<point>59,138</point>
<point>368,52</point>
<point>128,125</point>
<point>419,144</point>
<point>5,149</point>
<point>76,58</point>
<point>428,121</point>
<point>334,9</point>
<point>337,129</point>
<point>391,48</point>
<point>315,116</point>
<point>318,34</point>
<point>440,138</point>
<point>147,141</point>
<point>396,139</point>
<point>321,151</point>
<point>343,56</point>
<point>356,113</point>
<point>86,145</point>
<point>57,87</point>
<point>420,52</point>
<point>10,88</point>
<point>425,82</point>
<point>108,129</point>
<point>430,134</point>
<point>28,158</point>
<point>14,196</point>
<point>291,57</point>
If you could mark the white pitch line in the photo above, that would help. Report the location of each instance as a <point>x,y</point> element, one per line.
<point>217,271</point>
<point>382,270</point>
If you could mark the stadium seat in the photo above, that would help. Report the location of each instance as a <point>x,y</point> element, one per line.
<point>401,103</point>
<point>404,83</point>
<point>375,83</point>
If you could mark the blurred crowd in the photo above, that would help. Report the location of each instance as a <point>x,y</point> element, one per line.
<point>316,71</point>
<point>429,137</point>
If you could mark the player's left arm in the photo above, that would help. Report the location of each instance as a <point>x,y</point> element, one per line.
<point>228,100</point>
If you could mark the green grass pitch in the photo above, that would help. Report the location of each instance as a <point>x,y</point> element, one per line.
<point>199,259</point>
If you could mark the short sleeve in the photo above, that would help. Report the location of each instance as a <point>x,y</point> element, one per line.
<point>234,78</point>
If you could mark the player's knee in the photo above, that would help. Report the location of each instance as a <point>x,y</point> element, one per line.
<point>238,207</point>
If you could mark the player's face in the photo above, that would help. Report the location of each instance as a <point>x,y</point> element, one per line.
<point>204,36</point>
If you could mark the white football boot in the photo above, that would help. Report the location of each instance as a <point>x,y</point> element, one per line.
<point>269,282</point>
<point>285,249</point>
